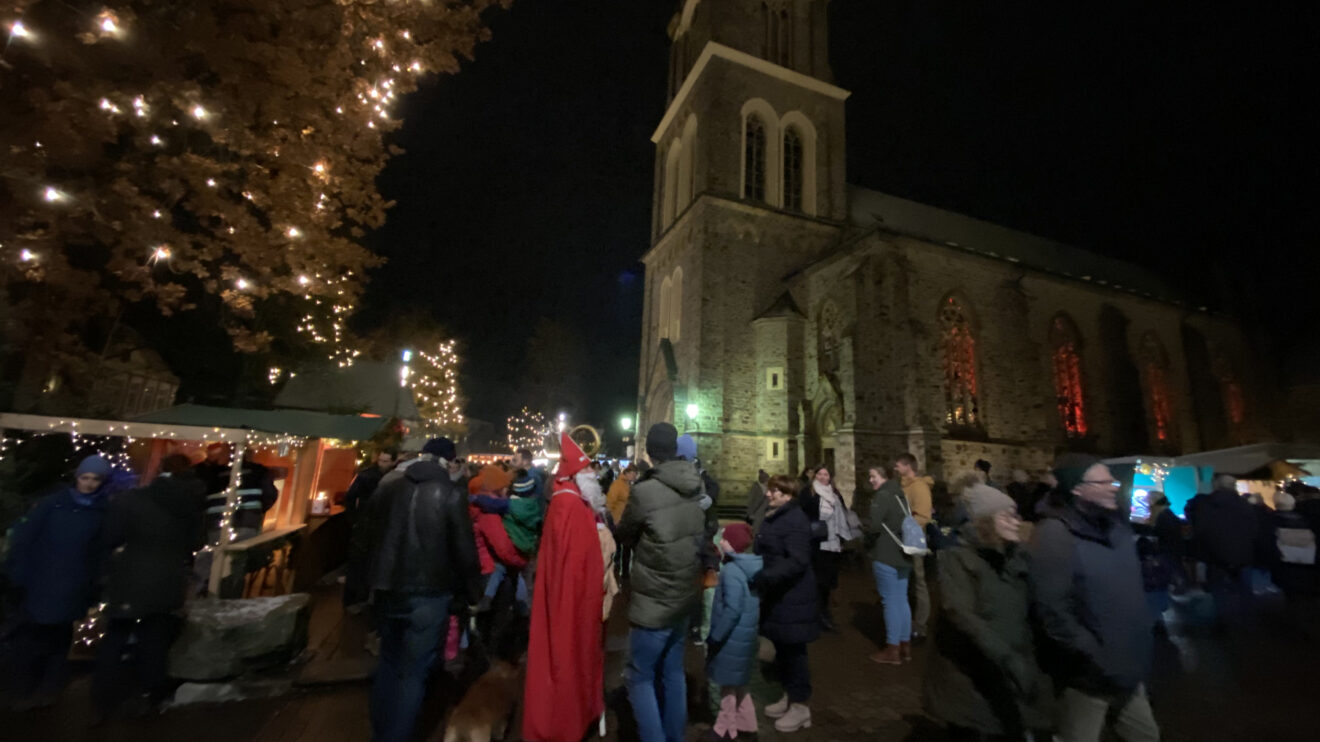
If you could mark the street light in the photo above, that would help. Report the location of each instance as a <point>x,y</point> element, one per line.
<point>692,411</point>
<point>625,422</point>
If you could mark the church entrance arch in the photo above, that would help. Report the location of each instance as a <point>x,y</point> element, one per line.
<point>828,419</point>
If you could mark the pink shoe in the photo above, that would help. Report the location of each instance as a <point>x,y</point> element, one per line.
<point>745,720</point>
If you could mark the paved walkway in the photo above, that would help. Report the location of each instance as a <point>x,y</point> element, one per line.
<point>1205,687</point>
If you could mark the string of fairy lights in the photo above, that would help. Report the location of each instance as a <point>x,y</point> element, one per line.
<point>166,125</point>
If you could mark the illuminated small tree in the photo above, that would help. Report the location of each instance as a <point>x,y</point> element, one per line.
<point>435,389</point>
<point>528,429</point>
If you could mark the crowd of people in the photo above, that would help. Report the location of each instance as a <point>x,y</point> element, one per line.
<point>1041,598</point>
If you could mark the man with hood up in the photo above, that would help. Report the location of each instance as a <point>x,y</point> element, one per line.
<point>565,688</point>
<point>665,523</point>
<point>423,557</point>
<point>54,560</point>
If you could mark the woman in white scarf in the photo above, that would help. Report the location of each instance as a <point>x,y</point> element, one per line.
<point>834,514</point>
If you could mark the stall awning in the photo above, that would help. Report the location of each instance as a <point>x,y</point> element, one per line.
<point>1244,460</point>
<point>303,423</point>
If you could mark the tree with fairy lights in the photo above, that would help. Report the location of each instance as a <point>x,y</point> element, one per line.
<point>215,150</point>
<point>434,378</point>
<point>528,429</point>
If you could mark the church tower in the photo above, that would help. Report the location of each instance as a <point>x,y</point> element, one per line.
<point>749,188</point>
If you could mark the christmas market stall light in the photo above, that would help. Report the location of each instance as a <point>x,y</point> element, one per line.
<point>201,152</point>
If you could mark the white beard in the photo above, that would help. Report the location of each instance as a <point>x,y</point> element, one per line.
<point>591,491</point>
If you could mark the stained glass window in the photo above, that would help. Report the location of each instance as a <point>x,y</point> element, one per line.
<point>1158,398</point>
<point>959,359</point>
<point>1067,363</point>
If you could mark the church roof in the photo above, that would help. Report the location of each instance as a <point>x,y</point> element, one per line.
<point>784,306</point>
<point>871,209</point>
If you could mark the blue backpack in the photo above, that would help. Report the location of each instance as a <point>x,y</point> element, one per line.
<point>914,538</point>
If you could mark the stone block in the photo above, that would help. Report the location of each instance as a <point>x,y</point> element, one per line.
<point>226,638</point>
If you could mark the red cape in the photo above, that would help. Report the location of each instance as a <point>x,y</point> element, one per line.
<point>565,689</point>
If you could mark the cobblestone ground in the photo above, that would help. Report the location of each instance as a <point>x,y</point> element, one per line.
<point>1258,685</point>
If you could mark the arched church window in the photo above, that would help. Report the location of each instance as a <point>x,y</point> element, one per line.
<point>793,180</point>
<point>754,158</point>
<point>784,52</point>
<point>669,193</point>
<point>666,306</point>
<point>676,306</point>
<point>1067,364</point>
<point>1230,388</point>
<point>1159,401</point>
<point>959,360</point>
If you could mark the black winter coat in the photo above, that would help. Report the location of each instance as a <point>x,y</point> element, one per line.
<point>150,534</point>
<point>420,535</point>
<point>786,582</point>
<point>1224,529</point>
<point>1090,600</point>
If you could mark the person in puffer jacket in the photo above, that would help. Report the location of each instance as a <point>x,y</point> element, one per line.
<point>734,624</point>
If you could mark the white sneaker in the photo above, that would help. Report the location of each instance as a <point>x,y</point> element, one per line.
<point>778,708</point>
<point>798,717</point>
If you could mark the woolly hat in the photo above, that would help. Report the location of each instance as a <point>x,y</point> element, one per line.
<point>983,500</point>
<point>1070,470</point>
<point>739,536</point>
<point>524,485</point>
<point>571,458</point>
<point>474,485</point>
<point>494,479</point>
<point>1284,502</point>
<point>686,447</point>
<point>441,448</point>
<point>94,464</point>
<point>662,442</point>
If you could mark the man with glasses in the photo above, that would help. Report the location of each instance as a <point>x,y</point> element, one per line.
<point>1092,608</point>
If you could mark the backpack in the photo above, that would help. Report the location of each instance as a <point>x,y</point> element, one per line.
<point>914,539</point>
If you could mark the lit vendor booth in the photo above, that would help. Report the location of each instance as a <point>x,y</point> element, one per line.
<point>1140,475</point>
<point>311,457</point>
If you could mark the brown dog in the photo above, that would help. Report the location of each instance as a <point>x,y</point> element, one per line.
<point>487,707</point>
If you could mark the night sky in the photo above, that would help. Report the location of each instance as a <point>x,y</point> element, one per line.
<point>1175,140</point>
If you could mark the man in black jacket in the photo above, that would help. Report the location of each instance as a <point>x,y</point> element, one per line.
<point>359,493</point>
<point>1092,608</point>
<point>1223,535</point>
<point>423,558</point>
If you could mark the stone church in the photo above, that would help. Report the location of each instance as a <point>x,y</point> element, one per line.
<point>792,319</point>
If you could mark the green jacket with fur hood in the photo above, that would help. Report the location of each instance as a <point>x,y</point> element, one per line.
<point>665,522</point>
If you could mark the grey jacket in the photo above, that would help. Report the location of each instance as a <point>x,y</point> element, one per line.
<point>667,526</point>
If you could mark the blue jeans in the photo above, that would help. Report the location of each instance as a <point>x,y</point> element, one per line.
<point>657,688</point>
<point>411,627</point>
<point>892,584</point>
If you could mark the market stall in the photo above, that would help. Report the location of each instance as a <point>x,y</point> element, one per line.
<point>1262,467</point>
<point>311,457</point>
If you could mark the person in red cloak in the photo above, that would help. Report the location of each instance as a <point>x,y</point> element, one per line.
<point>565,689</point>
